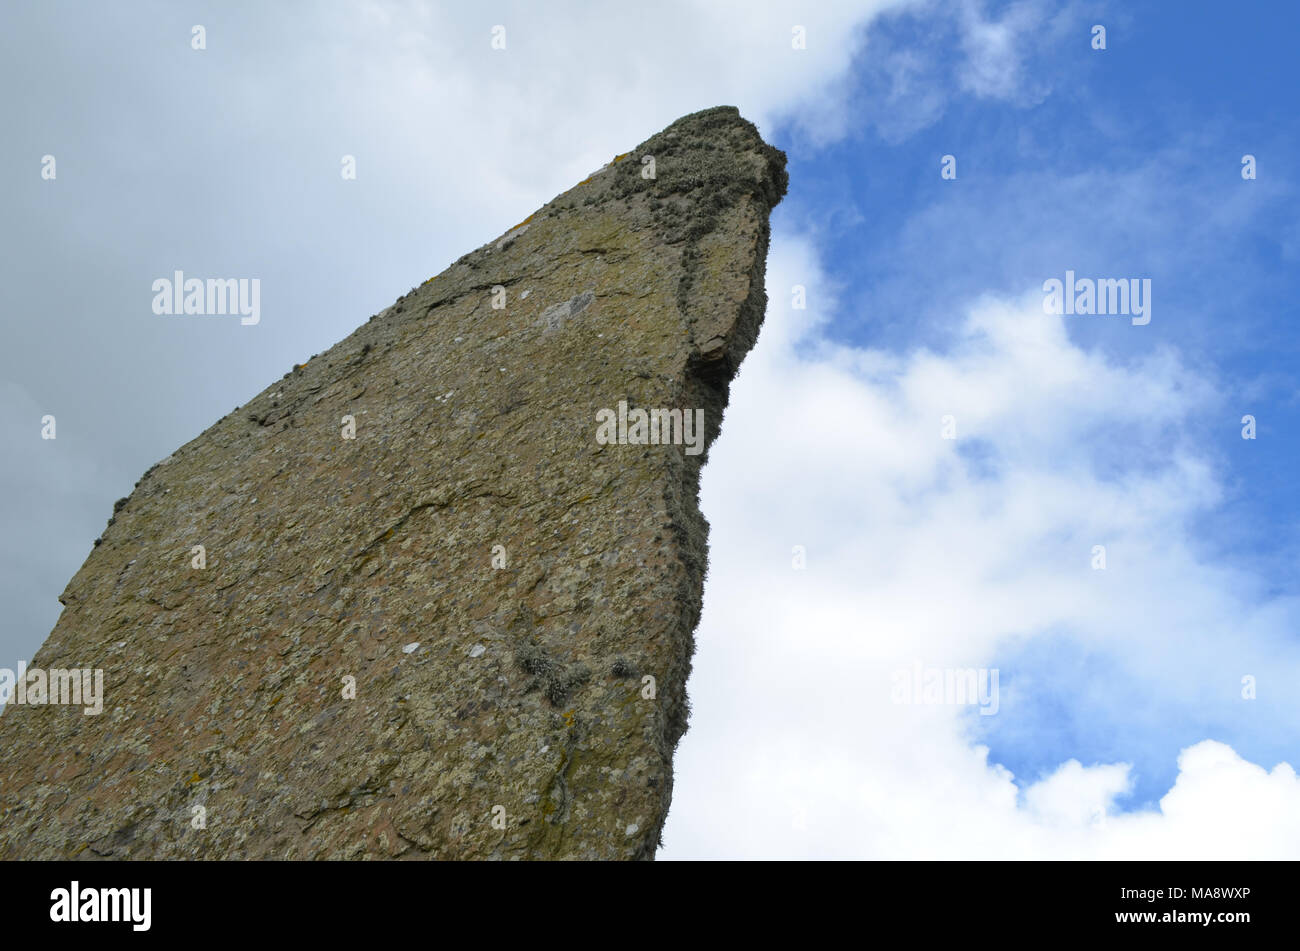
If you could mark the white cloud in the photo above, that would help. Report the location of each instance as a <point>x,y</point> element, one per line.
<point>920,551</point>
<point>996,50</point>
<point>577,83</point>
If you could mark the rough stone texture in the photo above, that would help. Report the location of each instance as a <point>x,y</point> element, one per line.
<point>329,558</point>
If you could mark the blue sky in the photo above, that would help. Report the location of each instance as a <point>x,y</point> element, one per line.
<point>1119,162</point>
<point>1121,730</point>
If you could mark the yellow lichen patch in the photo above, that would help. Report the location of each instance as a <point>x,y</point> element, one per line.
<point>619,158</point>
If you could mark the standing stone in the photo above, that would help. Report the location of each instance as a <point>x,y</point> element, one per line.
<point>463,632</point>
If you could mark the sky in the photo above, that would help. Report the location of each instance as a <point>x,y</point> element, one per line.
<point>1144,709</point>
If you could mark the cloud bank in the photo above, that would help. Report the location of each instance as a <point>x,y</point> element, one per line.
<point>965,553</point>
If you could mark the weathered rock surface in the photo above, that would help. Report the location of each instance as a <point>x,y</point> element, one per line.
<point>502,703</point>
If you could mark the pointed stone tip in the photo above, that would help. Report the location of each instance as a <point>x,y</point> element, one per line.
<point>708,128</point>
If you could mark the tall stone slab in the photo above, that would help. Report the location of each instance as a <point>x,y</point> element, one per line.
<point>447,585</point>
